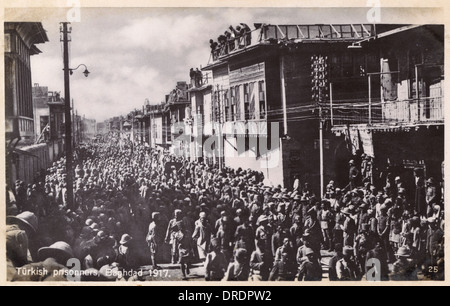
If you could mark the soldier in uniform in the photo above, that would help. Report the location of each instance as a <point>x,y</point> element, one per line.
<point>332,275</point>
<point>154,238</point>
<point>263,236</point>
<point>260,262</point>
<point>239,270</point>
<point>202,234</point>
<point>403,269</point>
<point>172,229</point>
<point>310,269</point>
<point>284,268</point>
<point>354,175</point>
<point>215,262</point>
<point>296,231</point>
<point>349,228</point>
<point>184,241</point>
<point>347,268</point>
<point>364,242</point>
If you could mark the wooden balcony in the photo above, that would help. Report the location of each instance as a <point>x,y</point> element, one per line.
<point>412,112</point>
<point>268,33</point>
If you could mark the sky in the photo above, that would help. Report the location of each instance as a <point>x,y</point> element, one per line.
<point>135,54</point>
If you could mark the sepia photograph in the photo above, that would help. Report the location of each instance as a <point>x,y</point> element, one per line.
<point>222,145</point>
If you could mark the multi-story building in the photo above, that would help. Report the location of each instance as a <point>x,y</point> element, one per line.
<point>200,91</point>
<point>41,113</point>
<point>157,125</point>
<point>178,108</point>
<point>49,119</point>
<point>22,162</point>
<point>286,77</point>
<point>399,118</point>
<point>20,43</point>
<point>159,138</point>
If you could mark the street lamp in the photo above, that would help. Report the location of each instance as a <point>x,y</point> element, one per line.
<point>68,119</point>
<point>85,72</point>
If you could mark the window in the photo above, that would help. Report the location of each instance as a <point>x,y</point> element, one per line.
<point>303,30</point>
<point>292,32</point>
<point>237,104</point>
<point>233,104</point>
<point>270,32</point>
<point>337,28</point>
<point>283,30</point>
<point>261,88</point>
<point>155,131</point>
<point>233,113</point>
<point>167,128</point>
<point>200,115</point>
<point>232,96</point>
<point>346,31</point>
<point>246,92</point>
<point>359,30</point>
<point>246,101</point>
<point>247,111</point>
<point>314,32</point>
<point>326,31</point>
<point>262,100</point>
<point>226,99</point>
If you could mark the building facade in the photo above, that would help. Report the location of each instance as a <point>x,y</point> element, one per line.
<point>400,120</point>
<point>23,159</point>
<point>299,81</point>
<point>49,120</point>
<point>20,43</point>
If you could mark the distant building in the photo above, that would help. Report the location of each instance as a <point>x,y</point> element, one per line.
<point>200,115</point>
<point>102,128</point>
<point>88,129</point>
<point>178,107</point>
<point>159,125</point>
<point>49,119</point>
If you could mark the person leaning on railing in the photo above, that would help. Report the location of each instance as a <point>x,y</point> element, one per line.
<point>214,48</point>
<point>222,39</point>
<point>242,35</point>
<point>230,41</point>
<point>245,30</point>
<point>238,34</point>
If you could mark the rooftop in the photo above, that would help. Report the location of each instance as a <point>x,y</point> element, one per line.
<point>31,32</point>
<point>272,35</point>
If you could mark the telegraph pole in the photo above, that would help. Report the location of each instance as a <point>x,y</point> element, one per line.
<point>319,85</point>
<point>68,119</point>
<point>220,138</point>
<point>74,126</point>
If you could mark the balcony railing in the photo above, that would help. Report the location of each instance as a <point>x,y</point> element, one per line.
<point>152,109</point>
<point>272,33</point>
<point>413,111</point>
<point>200,81</point>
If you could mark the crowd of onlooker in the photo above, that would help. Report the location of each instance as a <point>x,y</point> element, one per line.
<point>232,39</point>
<point>135,206</point>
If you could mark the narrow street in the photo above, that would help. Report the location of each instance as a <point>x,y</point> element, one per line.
<point>263,141</point>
